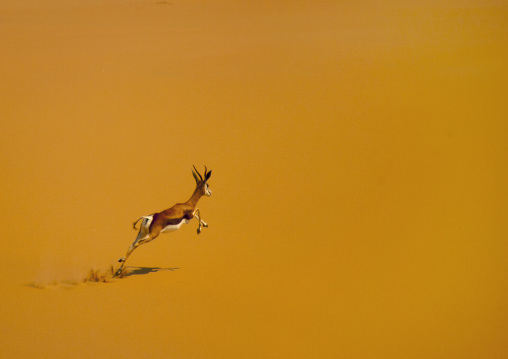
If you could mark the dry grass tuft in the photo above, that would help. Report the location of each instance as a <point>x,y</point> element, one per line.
<point>93,276</point>
<point>97,276</point>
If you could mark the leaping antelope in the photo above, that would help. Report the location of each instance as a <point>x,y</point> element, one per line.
<point>171,219</point>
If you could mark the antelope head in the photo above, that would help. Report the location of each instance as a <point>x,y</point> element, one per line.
<point>202,181</point>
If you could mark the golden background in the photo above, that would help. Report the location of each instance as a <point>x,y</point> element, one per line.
<point>359,157</point>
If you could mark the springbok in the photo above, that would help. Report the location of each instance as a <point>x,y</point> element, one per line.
<point>171,219</point>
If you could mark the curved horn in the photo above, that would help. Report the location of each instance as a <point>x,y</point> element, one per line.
<point>205,172</point>
<point>195,177</point>
<point>201,178</point>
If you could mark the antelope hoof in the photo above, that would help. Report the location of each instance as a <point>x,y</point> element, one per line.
<point>205,225</point>
<point>199,230</point>
<point>121,260</point>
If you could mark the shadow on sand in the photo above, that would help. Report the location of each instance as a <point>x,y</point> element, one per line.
<point>145,270</point>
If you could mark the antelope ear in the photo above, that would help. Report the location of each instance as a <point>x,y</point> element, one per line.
<point>208,175</point>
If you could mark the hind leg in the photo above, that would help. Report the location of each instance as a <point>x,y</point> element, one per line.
<point>124,259</point>
<point>136,244</point>
<point>142,234</point>
<point>133,246</point>
<point>139,241</point>
<point>147,233</point>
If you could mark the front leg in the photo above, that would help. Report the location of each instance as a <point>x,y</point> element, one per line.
<point>201,222</point>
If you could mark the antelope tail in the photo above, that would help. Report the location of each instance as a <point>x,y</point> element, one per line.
<point>134,224</point>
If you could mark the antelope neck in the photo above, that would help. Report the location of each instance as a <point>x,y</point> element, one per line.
<point>193,201</point>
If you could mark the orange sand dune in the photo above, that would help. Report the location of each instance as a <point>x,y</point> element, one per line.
<point>359,178</point>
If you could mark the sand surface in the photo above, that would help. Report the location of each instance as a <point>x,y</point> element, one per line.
<point>359,158</point>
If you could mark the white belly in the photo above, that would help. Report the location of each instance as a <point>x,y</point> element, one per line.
<point>174,227</point>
